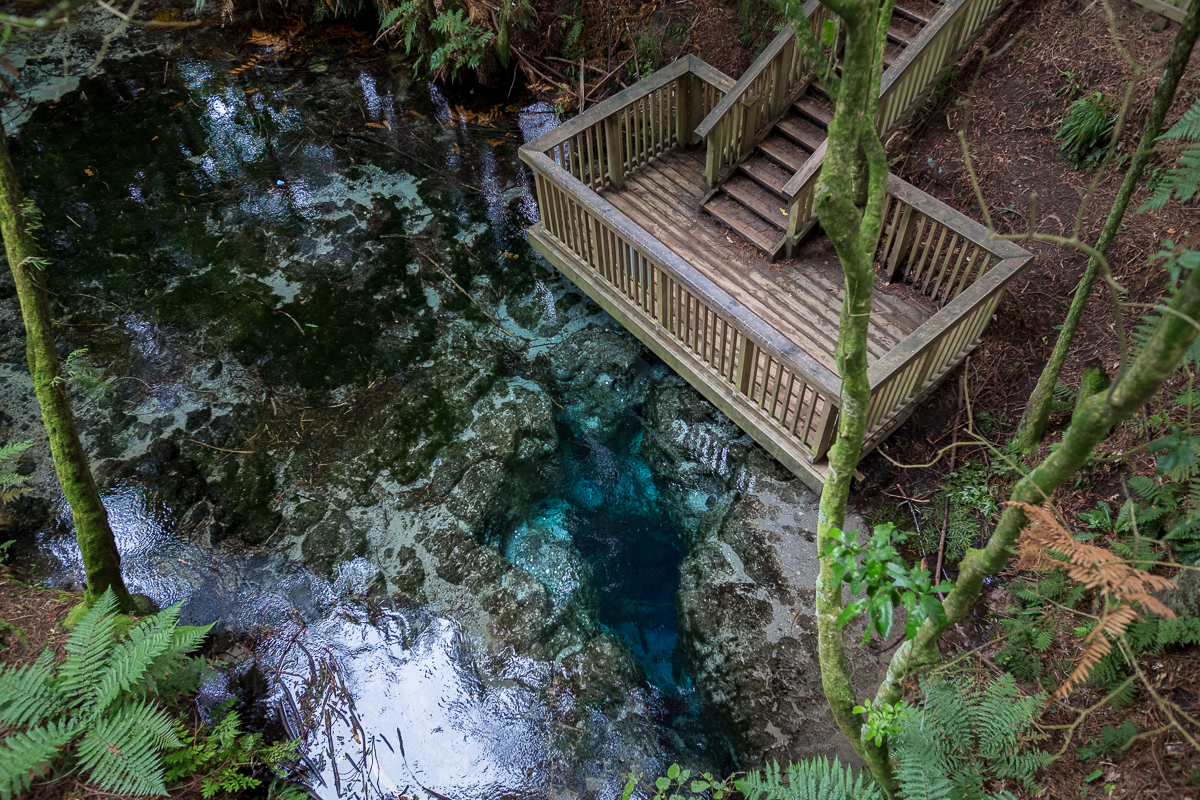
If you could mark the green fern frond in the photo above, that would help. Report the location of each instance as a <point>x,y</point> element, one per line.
<point>1181,630</point>
<point>27,695</point>
<point>122,753</point>
<point>1153,492</point>
<point>816,779</point>
<point>1188,127</point>
<point>87,649</point>
<point>131,659</point>
<point>1181,182</point>
<point>26,754</point>
<point>921,772</point>
<point>11,452</point>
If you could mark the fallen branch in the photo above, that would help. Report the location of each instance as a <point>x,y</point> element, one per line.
<point>472,299</point>
<point>222,449</point>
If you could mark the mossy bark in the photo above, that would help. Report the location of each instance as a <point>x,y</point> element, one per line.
<point>1093,381</point>
<point>1037,411</point>
<point>850,199</point>
<point>101,561</point>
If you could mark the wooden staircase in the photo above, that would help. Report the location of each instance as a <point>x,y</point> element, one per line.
<point>749,200</point>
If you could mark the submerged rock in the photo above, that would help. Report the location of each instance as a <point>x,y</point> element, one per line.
<point>747,628</point>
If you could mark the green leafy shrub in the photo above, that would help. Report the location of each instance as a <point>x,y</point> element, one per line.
<point>968,731</point>
<point>96,710</point>
<point>1087,121</point>
<point>446,43</point>
<point>1111,740</point>
<point>884,581</point>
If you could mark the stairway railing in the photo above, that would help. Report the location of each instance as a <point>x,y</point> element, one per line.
<point>905,85</point>
<point>757,374</point>
<point>758,99</point>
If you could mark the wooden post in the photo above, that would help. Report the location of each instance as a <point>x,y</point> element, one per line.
<point>900,244</point>
<point>664,300</point>
<point>747,364</point>
<point>616,158</point>
<point>828,429</point>
<point>712,161</point>
<point>685,91</point>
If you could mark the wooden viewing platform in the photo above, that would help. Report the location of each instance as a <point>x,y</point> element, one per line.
<point>681,205</point>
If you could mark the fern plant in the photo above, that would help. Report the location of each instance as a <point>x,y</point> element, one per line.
<point>10,479</point>
<point>1181,182</point>
<point>94,710</point>
<point>817,779</point>
<point>222,754</point>
<point>968,731</point>
<point>1087,121</point>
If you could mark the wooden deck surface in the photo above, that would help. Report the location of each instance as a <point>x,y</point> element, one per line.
<point>800,297</point>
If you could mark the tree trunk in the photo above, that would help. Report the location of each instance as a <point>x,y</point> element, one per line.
<point>1037,411</point>
<point>849,203</point>
<point>101,561</point>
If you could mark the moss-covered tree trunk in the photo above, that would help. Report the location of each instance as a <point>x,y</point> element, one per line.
<point>1037,411</point>
<point>851,195</point>
<point>101,561</point>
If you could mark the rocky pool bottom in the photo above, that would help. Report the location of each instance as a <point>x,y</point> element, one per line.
<point>336,402</point>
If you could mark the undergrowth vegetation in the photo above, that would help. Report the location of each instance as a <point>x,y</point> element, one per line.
<point>110,710</point>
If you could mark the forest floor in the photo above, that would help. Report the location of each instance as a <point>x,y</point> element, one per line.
<point>1049,54</point>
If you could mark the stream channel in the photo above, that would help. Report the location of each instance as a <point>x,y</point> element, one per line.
<point>336,404</point>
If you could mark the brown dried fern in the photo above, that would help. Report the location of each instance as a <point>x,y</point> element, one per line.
<point>1046,545</point>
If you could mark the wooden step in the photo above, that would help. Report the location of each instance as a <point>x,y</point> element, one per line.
<point>742,221</point>
<point>817,108</point>
<point>891,52</point>
<point>784,152</point>
<point>909,14</point>
<point>767,173</point>
<point>761,201</point>
<point>802,132</point>
<point>902,31</point>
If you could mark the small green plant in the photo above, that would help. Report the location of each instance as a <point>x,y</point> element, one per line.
<point>968,731</point>
<point>456,43</point>
<point>885,581</point>
<point>95,711</point>
<point>1087,121</point>
<point>10,480</point>
<point>87,377</point>
<point>1070,85</point>
<point>679,782</point>
<point>965,494</point>
<point>883,719</point>
<point>225,758</point>
<point>1111,740</point>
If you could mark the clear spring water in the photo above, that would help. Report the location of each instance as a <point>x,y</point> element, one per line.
<point>209,203</point>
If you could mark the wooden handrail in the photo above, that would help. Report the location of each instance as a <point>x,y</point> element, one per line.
<point>931,331</point>
<point>710,74</point>
<point>606,108</point>
<point>769,339</point>
<point>736,94</point>
<point>959,223</point>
